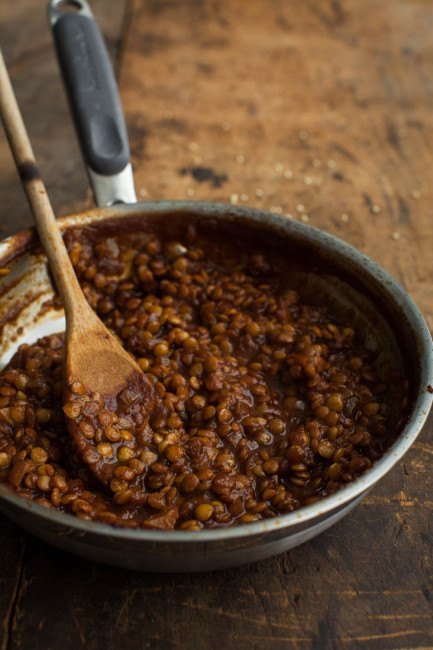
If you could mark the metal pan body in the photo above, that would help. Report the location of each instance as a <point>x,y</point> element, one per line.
<point>354,282</point>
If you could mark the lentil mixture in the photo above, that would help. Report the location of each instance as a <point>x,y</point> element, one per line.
<point>266,401</point>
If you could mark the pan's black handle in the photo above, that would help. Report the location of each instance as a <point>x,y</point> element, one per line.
<point>92,90</point>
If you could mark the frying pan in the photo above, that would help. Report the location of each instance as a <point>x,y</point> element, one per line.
<point>352,283</point>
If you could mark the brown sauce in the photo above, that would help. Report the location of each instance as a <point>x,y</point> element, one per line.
<point>268,400</point>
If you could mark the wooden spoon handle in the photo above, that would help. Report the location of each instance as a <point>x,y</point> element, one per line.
<point>40,205</point>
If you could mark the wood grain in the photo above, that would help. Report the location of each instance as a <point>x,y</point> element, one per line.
<point>325,104</point>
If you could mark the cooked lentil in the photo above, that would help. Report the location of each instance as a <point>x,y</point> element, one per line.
<point>266,402</point>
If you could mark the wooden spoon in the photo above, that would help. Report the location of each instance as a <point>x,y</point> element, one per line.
<point>100,376</point>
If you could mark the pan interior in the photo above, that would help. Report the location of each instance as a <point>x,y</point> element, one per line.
<point>359,290</point>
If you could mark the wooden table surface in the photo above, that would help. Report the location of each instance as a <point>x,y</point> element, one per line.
<point>322,110</point>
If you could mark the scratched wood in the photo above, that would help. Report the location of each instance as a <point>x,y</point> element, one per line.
<point>321,110</point>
